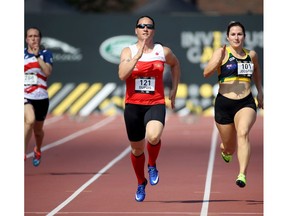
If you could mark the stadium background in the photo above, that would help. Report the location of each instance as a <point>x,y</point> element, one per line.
<point>86,45</point>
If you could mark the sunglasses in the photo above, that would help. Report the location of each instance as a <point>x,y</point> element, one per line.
<point>142,26</point>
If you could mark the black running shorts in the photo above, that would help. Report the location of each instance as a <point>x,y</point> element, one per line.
<point>225,108</point>
<point>137,116</point>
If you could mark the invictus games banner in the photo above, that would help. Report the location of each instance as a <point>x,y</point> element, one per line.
<point>86,51</point>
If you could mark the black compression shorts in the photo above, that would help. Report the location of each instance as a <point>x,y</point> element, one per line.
<point>137,116</point>
<point>40,107</point>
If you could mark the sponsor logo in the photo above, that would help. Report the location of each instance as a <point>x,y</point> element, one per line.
<point>61,51</point>
<point>155,181</point>
<point>111,48</point>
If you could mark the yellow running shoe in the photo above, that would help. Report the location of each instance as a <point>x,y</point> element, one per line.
<point>241,180</point>
<point>226,158</point>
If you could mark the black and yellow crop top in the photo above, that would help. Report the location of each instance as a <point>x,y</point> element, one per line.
<point>236,69</point>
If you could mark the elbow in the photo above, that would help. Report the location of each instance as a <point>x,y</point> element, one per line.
<point>48,73</point>
<point>207,74</point>
<point>121,77</point>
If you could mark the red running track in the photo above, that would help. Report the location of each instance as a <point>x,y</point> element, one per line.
<point>86,170</point>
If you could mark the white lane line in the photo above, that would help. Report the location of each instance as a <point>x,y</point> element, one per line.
<point>94,178</point>
<point>76,134</point>
<point>53,120</point>
<point>151,213</point>
<point>204,210</point>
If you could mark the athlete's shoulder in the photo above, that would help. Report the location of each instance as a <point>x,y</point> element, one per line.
<point>253,54</point>
<point>46,51</point>
<point>247,51</point>
<point>132,46</point>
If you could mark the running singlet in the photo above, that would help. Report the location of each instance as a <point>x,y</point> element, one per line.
<point>236,69</point>
<point>145,85</point>
<point>35,81</point>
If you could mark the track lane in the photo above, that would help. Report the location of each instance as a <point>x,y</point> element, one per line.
<point>182,163</point>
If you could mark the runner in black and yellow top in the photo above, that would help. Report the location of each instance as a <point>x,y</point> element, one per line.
<point>235,107</point>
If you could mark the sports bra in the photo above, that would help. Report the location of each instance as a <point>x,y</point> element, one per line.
<point>235,68</point>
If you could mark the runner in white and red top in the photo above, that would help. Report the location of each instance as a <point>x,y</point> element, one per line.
<point>141,67</point>
<point>37,68</point>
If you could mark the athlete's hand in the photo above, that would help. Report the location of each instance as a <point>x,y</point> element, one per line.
<point>260,100</point>
<point>141,48</point>
<point>172,96</point>
<point>223,52</point>
<point>36,49</point>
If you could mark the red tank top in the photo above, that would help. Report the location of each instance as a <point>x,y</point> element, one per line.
<point>145,85</point>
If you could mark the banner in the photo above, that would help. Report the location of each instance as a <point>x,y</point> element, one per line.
<point>86,51</point>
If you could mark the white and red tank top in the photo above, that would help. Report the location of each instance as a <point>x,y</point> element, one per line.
<point>145,85</point>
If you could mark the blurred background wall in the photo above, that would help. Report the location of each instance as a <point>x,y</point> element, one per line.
<point>87,36</point>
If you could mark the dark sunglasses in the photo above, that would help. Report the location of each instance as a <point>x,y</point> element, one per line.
<point>142,26</point>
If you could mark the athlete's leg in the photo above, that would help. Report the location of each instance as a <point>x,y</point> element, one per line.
<point>138,159</point>
<point>154,131</point>
<point>244,120</point>
<point>29,119</point>
<point>39,134</point>
<point>228,136</point>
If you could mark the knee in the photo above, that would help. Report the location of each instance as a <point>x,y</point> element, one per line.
<point>153,140</point>
<point>29,121</point>
<point>242,133</point>
<point>137,148</point>
<point>137,151</point>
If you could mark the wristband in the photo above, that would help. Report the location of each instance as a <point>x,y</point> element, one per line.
<point>37,56</point>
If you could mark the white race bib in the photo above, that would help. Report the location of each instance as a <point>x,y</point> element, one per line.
<point>245,69</point>
<point>30,79</point>
<point>145,85</point>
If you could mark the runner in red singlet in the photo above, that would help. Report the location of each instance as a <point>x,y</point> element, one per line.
<point>141,67</point>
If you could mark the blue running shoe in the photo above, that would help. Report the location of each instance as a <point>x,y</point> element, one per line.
<point>153,175</point>
<point>140,193</point>
<point>36,158</point>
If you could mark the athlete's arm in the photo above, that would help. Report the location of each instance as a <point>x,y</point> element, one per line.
<point>127,63</point>
<point>215,61</point>
<point>174,63</point>
<point>257,77</point>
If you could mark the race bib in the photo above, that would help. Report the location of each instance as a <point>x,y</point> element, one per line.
<point>145,85</point>
<point>30,79</point>
<point>245,69</point>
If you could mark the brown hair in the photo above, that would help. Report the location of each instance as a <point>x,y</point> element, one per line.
<point>235,23</point>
